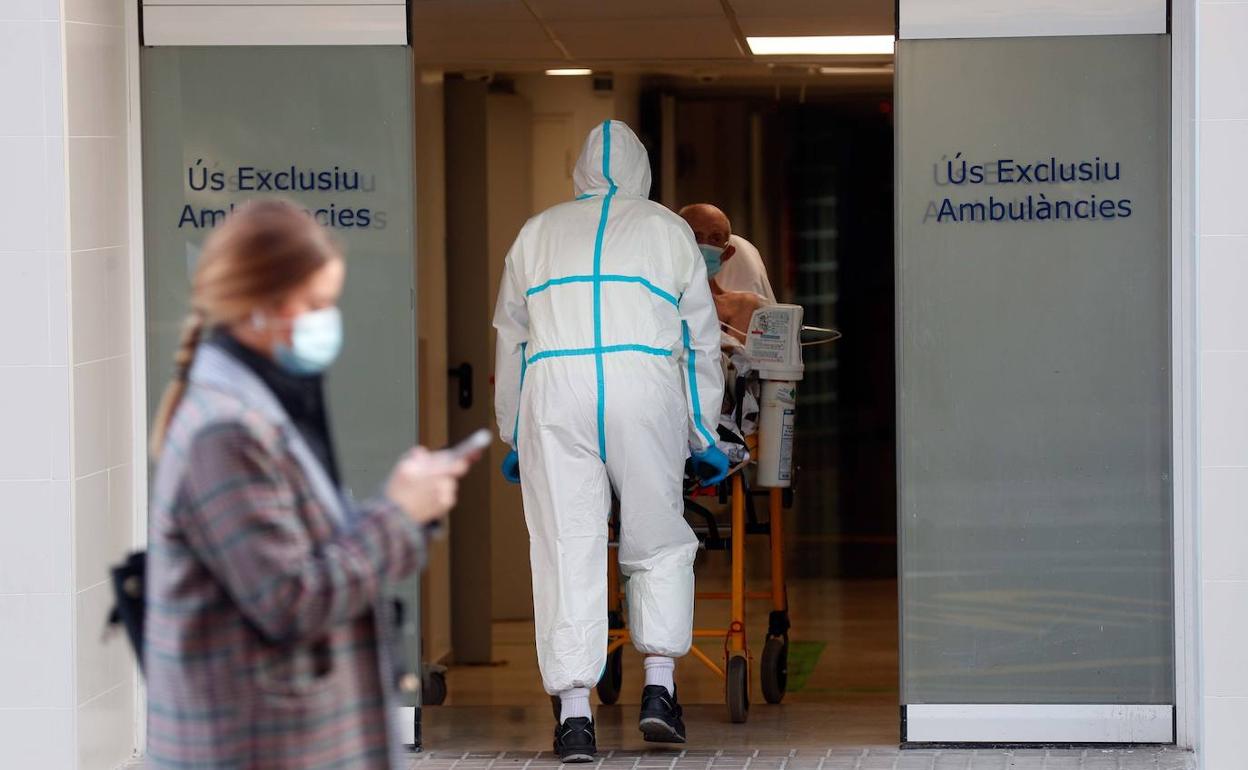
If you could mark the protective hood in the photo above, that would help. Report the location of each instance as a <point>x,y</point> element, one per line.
<point>613,156</point>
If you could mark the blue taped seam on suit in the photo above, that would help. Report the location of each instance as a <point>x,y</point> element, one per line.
<point>602,230</point>
<point>575,352</point>
<point>567,279</point>
<point>524,365</point>
<point>691,355</point>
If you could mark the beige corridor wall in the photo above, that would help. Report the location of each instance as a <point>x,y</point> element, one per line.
<point>430,175</point>
<point>508,170</point>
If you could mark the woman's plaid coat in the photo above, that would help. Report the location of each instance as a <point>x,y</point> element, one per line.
<point>265,644</point>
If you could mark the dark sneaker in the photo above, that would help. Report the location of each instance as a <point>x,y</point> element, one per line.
<point>575,741</point>
<point>661,716</point>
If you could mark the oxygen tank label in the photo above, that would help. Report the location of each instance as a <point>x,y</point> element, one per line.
<point>786,445</point>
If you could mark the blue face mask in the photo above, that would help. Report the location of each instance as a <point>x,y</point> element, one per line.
<point>315,341</point>
<point>713,256</point>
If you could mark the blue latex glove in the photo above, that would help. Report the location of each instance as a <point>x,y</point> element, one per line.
<point>711,465</point>
<point>511,467</point>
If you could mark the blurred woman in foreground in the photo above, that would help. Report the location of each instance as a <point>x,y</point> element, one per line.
<point>266,640</point>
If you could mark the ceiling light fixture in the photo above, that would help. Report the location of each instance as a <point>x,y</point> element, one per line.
<point>855,70</point>
<point>570,72</point>
<point>826,45</point>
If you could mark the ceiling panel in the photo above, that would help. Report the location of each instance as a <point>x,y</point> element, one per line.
<point>678,31</point>
<point>785,26</point>
<point>812,8</point>
<point>668,38</point>
<point>633,9</point>
<point>815,17</point>
<point>482,42</point>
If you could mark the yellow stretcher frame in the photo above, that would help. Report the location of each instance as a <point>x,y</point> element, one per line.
<point>737,658</point>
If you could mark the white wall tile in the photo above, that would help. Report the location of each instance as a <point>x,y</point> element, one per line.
<point>38,738</point>
<point>119,413</point>
<point>60,379</point>
<point>106,730</point>
<point>24,321</point>
<point>121,505</point>
<point>51,71</point>
<point>95,79</point>
<point>102,430</point>
<point>1223,175</point>
<point>1224,409</point>
<point>57,263</point>
<point>96,543</point>
<point>102,521</point>
<point>36,651</point>
<point>23,194</point>
<point>1224,523</point>
<point>27,10</point>
<point>97,192</point>
<point>102,662</point>
<point>100,292</point>
<point>56,194</point>
<point>1223,745</point>
<point>22,95</point>
<point>1223,61</point>
<point>26,414</point>
<point>1224,612</point>
<point>90,418</point>
<point>1223,283</point>
<point>34,537</point>
<point>95,11</point>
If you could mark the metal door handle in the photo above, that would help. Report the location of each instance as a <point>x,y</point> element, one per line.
<point>463,373</point>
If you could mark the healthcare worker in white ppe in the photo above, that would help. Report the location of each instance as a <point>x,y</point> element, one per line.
<point>608,377</point>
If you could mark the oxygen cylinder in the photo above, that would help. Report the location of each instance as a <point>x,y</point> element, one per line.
<point>775,432</point>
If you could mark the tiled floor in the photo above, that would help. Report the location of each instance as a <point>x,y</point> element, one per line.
<point>850,697</point>
<point>841,758</point>
<point>844,717</point>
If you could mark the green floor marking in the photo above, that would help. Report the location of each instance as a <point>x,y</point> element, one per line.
<point>803,657</point>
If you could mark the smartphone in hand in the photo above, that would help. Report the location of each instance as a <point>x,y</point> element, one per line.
<point>472,447</point>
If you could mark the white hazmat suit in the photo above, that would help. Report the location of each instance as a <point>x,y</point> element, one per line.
<point>607,374</point>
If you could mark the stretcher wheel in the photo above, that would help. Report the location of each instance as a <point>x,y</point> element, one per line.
<point>774,670</point>
<point>737,688</point>
<point>612,678</point>
<point>434,689</point>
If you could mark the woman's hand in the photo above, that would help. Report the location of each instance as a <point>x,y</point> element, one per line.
<point>425,484</point>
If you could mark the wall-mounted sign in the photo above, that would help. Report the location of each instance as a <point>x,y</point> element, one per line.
<point>1033,259</point>
<point>350,188</point>
<point>330,129</point>
<point>1014,190</point>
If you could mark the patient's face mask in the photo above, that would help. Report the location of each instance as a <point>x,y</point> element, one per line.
<point>713,256</point>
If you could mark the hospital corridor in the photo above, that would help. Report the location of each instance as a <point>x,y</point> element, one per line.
<point>798,165</point>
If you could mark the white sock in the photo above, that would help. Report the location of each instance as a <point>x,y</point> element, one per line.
<point>661,671</point>
<point>574,704</point>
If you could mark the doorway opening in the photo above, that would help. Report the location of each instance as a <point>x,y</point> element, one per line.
<point>799,156</point>
<point>804,171</point>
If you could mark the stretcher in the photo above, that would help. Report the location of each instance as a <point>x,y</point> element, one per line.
<point>739,497</point>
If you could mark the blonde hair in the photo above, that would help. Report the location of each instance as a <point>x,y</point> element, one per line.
<point>263,251</point>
